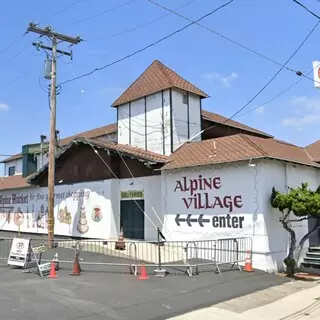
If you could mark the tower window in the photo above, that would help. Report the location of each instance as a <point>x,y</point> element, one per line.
<point>12,171</point>
<point>185,98</point>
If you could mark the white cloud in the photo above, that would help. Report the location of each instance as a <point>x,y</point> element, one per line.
<point>225,81</point>
<point>259,110</point>
<point>307,109</point>
<point>4,106</point>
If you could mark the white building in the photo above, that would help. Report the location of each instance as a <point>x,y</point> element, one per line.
<point>141,173</point>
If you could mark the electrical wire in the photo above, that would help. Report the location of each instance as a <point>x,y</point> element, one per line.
<point>148,46</point>
<point>101,13</point>
<point>66,8</point>
<point>297,72</point>
<point>111,171</point>
<point>21,76</point>
<point>16,55</point>
<point>267,84</point>
<point>139,26</point>
<point>12,44</point>
<point>307,9</point>
<point>21,36</point>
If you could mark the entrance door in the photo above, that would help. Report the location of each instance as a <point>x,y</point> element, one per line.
<point>315,238</point>
<point>132,219</point>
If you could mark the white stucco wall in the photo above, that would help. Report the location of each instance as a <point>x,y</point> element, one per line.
<point>146,122</point>
<point>32,202</point>
<point>238,184</point>
<point>15,163</point>
<point>282,175</point>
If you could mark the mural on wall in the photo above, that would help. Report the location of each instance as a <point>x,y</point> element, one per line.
<point>83,222</point>
<point>217,201</point>
<point>96,214</point>
<point>27,210</point>
<point>199,195</point>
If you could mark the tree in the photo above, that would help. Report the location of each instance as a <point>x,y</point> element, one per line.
<point>298,204</point>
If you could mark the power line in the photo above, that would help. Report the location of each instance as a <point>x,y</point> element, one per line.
<point>267,84</point>
<point>139,26</point>
<point>304,7</point>
<point>66,8</point>
<point>101,13</point>
<point>16,55</point>
<point>53,15</point>
<point>297,72</point>
<point>146,47</point>
<point>279,94</point>
<point>12,44</point>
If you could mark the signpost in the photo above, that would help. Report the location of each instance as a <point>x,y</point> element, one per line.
<point>20,251</point>
<point>22,254</point>
<point>316,73</point>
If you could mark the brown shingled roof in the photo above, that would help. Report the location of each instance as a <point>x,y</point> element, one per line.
<point>94,133</point>
<point>127,149</point>
<point>124,150</point>
<point>13,182</point>
<point>14,157</point>
<point>214,117</point>
<point>155,78</point>
<point>236,148</point>
<point>314,150</point>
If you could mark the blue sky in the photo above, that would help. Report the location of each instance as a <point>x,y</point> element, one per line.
<point>228,73</point>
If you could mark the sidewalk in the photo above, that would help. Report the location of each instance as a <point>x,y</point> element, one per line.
<point>299,305</point>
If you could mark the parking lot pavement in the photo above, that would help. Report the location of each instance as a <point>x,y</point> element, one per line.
<point>99,295</point>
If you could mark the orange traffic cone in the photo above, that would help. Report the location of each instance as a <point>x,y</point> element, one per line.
<point>76,266</point>
<point>143,273</point>
<point>120,244</point>
<point>53,273</point>
<point>248,263</point>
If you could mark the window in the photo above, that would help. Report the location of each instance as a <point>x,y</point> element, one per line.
<point>185,98</point>
<point>12,171</point>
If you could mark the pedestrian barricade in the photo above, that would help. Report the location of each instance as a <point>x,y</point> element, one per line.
<point>163,257</point>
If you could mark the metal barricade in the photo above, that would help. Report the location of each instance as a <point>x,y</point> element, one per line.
<point>188,257</point>
<point>231,251</point>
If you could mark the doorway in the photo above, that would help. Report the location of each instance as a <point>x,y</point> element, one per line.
<point>314,240</point>
<point>132,219</point>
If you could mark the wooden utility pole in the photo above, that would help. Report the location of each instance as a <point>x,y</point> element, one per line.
<point>54,37</point>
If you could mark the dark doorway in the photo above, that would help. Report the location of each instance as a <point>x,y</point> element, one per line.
<point>132,219</point>
<point>315,238</point>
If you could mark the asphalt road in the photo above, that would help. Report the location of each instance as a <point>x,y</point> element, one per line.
<point>98,295</point>
<point>110,292</point>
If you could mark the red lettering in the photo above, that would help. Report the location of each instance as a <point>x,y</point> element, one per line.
<point>203,201</point>
<point>178,186</point>
<point>216,183</point>
<point>238,201</point>
<point>217,203</point>
<point>187,202</point>
<point>200,183</point>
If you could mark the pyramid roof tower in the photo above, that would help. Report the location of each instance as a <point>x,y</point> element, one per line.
<point>155,78</point>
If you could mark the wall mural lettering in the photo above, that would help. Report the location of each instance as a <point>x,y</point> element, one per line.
<point>30,210</point>
<point>199,194</point>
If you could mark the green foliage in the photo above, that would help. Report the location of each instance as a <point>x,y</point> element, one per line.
<point>301,201</point>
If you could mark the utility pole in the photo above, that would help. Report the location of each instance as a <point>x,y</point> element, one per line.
<point>54,37</point>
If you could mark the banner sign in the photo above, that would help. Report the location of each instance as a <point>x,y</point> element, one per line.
<point>44,268</point>
<point>131,194</point>
<point>316,73</point>
<point>19,253</point>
